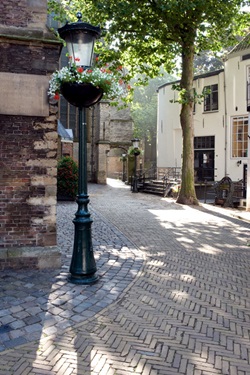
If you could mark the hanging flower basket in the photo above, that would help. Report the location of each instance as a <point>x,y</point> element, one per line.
<point>84,87</point>
<point>81,94</point>
<point>134,151</point>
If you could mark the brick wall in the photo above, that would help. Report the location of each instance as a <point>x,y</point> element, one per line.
<point>26,58</point>
<point>28,143</point>
<point>27,181</point>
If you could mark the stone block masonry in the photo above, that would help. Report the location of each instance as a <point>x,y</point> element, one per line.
<point>28,137</point>
<point>27,180</point>
<point>28,163</point>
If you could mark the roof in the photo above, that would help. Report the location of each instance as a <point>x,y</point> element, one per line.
<point>242,46</point>
<point>204,75</point>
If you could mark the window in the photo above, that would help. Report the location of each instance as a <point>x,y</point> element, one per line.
<point>245,57</point>
<point>239,136</point>
<point>194,103</point>
<point>211,99</point>
<point>204,142</point>
<point>248,74</point>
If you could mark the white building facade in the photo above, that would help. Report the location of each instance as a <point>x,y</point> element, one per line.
<point>220,121</point>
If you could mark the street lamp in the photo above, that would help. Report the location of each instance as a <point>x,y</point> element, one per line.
<point>80,38</point>
<point>135,142</point>
<point>123,166</point>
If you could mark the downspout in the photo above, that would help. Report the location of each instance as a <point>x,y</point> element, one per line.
<point>92,173</point>
<point>225,122</point>
<point>248,167</point>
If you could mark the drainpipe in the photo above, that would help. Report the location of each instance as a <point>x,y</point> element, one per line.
<point>225,122</point>
<point>248,167</point>
<point>92,172</point>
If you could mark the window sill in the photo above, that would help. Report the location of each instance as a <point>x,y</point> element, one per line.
<point>215,111</point>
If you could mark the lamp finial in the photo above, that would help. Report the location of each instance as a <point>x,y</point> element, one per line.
<point>79,16</point>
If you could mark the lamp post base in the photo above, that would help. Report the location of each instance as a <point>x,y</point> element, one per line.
<point>83,266</point>
<point>134,185</point>
<point>83,279</point>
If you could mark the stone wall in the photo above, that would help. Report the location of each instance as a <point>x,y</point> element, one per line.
<point>28,137</point>
<point>114,130</point>
<point>28,181</point>
<point>30,14</point>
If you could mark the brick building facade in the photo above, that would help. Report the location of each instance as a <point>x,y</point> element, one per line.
<point>28,137</point>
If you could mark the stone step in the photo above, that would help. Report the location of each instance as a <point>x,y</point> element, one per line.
<point>153,187</point>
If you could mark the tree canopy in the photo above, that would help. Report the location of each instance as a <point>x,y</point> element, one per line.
<point>147,34</point>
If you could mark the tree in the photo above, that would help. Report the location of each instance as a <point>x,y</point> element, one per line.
<point>147,34</point>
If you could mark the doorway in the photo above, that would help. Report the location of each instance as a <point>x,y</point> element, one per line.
<point>204,158</point>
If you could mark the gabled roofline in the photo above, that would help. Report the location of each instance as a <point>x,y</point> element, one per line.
<point>204,75</point>
<point>240,48</point>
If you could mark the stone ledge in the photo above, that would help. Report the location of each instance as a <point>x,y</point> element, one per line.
<point>30,257</point>
<point>24,34</point>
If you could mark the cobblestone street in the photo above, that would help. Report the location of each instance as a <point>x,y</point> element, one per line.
<point>172,298</point>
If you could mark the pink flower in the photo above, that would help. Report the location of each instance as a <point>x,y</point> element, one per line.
<point>80,69</point>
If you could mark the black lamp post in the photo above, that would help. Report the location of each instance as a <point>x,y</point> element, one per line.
<point>123,166</point>
<point>135,142</point>
<point>80,38</point>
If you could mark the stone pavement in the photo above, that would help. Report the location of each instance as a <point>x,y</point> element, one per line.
<point>173,294</point>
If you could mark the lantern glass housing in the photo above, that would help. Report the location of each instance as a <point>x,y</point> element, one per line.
<point>80,39</point>
<point>135,142</point>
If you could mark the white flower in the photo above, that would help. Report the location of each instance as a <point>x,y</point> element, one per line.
<point>110,82</point>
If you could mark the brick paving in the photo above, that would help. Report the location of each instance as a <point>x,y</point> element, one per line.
<point>173,294</point>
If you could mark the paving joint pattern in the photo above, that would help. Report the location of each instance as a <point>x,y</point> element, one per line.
<point>173,297</point>
<point>38,304</point>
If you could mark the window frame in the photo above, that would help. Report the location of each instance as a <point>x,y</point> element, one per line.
<point>239,136</point>
<point>211,100</point>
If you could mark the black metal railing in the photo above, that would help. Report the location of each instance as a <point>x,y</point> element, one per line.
<point>169,173</point>
<point>204,174</point>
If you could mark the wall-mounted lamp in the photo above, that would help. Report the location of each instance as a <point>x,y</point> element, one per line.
<point>238,163</point>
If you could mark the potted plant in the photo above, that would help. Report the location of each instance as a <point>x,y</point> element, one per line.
<point>67,179</point>
<point>106,82</point>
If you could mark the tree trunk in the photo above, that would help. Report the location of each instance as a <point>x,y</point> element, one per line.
<point>187,193</point>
